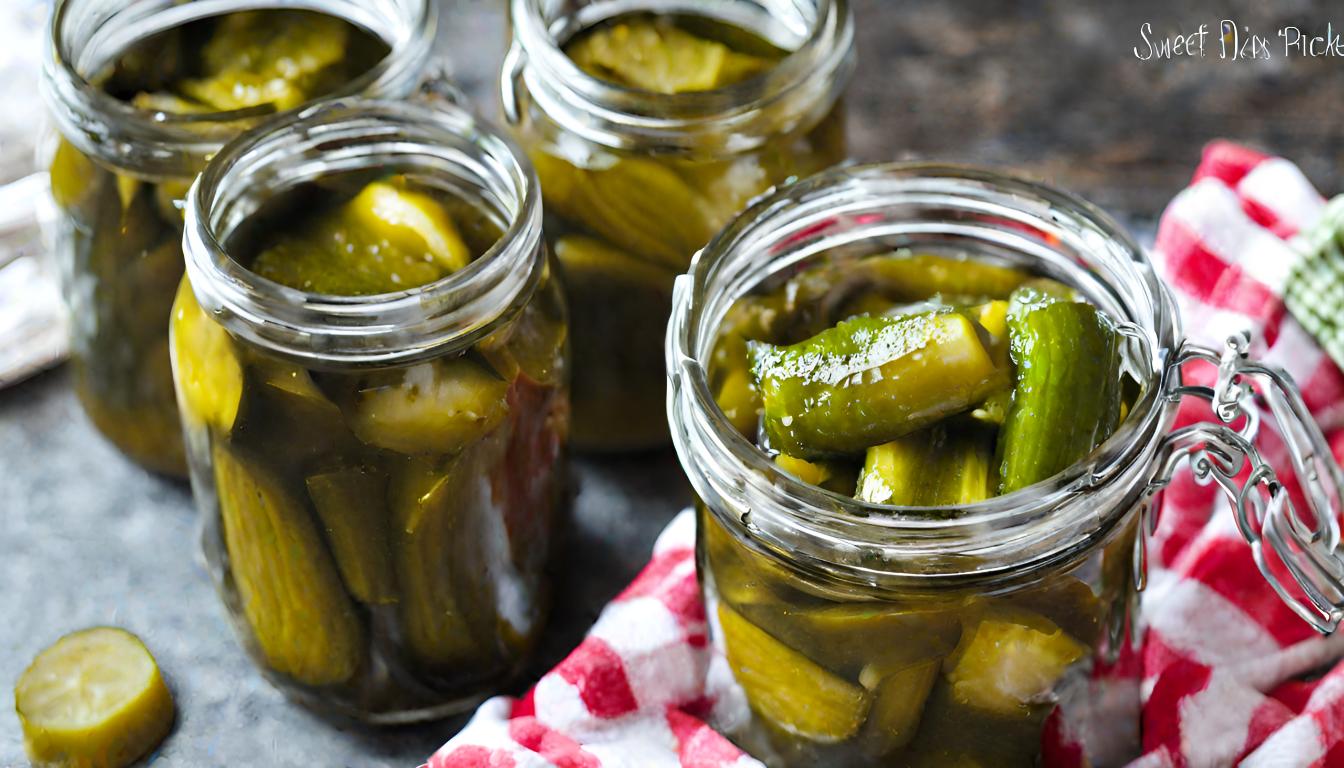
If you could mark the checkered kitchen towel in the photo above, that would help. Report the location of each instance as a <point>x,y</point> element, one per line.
<point>1230,675</point>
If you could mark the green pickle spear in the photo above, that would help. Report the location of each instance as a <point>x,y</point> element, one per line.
<point>787,688</point>
<point>1066,399</point>
<point>351,503</point>
<point>942,466</point>
<point>899,695</point>
<point>301,618</point>
<point>441,572</point>
<point>870,380</point>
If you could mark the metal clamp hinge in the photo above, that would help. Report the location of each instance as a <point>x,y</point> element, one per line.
<point>1285,541</point>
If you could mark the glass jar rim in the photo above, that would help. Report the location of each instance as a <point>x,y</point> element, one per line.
<point>617,116</point>
<point>797,514</point>
<point>177,144</point>
<point>402,327</point>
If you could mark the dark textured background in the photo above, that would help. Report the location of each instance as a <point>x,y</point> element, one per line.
<point>1048,87</point>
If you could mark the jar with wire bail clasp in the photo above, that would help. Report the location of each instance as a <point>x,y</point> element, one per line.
<point>854,632</point>
<point>370,357</point>
<point>143,93</point>
<point>651,123</point>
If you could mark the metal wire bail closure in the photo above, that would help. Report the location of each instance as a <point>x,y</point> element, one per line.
<point>1304,544</point>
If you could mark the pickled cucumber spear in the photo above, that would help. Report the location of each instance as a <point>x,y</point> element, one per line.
<point>935,467</point>
<point>1066,399</point>
<point>301,618</point>
<point>871,380</point>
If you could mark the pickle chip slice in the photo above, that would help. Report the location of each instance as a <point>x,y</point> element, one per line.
<point>205,366</point>
<point>257,58</point>
<point>787,688</point>
<point>94,699</point>
<point>436,407</point>
<point>654,55</point>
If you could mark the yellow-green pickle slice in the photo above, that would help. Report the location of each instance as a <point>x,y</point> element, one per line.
<point>1008,660</point>
<point>653,54</point>
<point>282,58</point>
<point>208,374</point>
<point>387,238</point>
<point>788,689</point>
<point>94,699</point>
<point>440,406</point>
<point>291,593</point>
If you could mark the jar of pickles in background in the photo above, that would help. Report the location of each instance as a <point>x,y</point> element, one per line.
<point>650,124</point>
<point>370,357</point>
<point>143,92</point>
<point>926,411</point>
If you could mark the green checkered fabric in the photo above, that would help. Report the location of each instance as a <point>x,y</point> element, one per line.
<point>1315,290</point>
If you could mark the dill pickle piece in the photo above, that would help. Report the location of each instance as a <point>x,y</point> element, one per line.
<point>905,276</point>
<point>409,220</point>
<point>387,238</point>
<point>899,695</point>
<point>351,504</point>
<point>301,618</point>
<point>74,177</point>
<point>788,689</point>
<point>847,637</point>
<point>993,320</point>
<point>206,370</point>
<point>833,475</point>
<point>739,401</point>
<point>1066,400</point>
<point>652,54</point>
<point>1007,661</point>
<point>445,603</point>
<point>94,699</point>
<point>869,381</point>
<point>640,206</point>
<point>281,58</point>
<point>944,465</point>
<point>532,343</point>
<point>439,406</point>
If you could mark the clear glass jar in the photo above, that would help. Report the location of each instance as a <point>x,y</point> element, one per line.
<point>392,572</point>
<point>119,174</point>
<point>855,632</point>
<point>635,181</point>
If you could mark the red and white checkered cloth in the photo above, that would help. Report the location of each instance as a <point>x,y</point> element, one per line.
<point>1226,667</point>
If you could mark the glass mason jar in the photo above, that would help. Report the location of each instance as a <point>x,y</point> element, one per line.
<point>380,476</point>
<point>635,182</point>
<point>119,174</point>
<point>856,633</point>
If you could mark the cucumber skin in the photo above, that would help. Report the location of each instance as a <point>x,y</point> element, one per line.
<point>1066,400</point>
<point>870,380</point>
